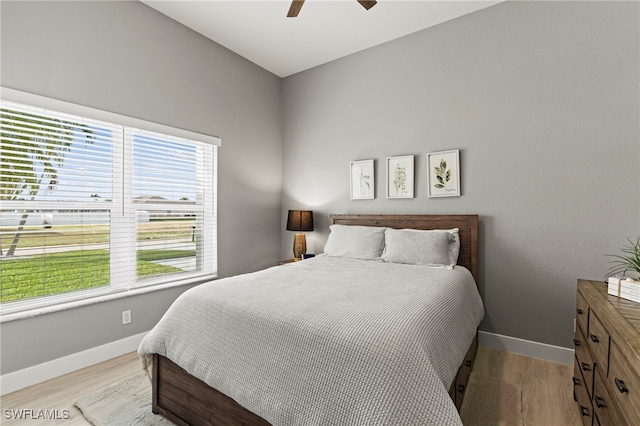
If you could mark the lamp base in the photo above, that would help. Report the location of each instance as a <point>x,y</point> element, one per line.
<point>299,245</point>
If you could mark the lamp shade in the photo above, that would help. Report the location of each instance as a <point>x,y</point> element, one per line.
<point>300,220</point>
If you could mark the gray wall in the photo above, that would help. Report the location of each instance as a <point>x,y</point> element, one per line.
<point>125,57</point>
<point>542,100</point>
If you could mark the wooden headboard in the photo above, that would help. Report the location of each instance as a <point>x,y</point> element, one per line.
<point>468,225</point>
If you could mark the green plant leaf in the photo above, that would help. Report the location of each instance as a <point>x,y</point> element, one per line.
<point>628,261</point>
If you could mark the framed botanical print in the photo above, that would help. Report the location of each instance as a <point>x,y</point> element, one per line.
<point>400,177</point>
<point>443,178</point>
<point>362,180</point>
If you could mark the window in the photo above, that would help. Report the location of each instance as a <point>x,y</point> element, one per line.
<point>91,207</point>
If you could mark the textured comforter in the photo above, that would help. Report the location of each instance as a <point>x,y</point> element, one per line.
<point>328,341</point>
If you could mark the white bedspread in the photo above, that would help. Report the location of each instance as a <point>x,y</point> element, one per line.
<point>328,341</point>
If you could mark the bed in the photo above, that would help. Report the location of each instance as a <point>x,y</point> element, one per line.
<point>312,343</point>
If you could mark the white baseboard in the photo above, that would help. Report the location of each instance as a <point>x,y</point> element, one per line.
<point>526,347</point>
<point>29,376</point>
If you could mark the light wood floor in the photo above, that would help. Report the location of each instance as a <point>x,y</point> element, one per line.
<point>547,390</point>
<point>60,393</point>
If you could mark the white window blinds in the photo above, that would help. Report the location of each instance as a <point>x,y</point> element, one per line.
<point>89,206</point>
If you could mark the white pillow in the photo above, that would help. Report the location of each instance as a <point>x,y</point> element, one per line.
<point>433,248</point>
<point>358,242</point>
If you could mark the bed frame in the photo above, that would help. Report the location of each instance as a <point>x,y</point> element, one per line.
<point>186,400</point>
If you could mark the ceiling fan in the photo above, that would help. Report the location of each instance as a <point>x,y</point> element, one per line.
<point>296,5</point>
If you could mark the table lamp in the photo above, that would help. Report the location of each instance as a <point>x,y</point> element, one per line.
<point>299,220</point>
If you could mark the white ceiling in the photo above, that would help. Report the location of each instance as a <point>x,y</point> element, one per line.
<point>323,31</point>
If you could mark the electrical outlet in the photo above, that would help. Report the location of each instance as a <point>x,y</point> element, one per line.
<point>126,317</point>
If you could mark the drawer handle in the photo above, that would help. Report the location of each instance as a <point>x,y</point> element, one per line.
<point>461,388</point>
<point>579,311</point>
<point>576,381</point>
<point>584,411</point>
<point>600,402</point>
<point>468,363</point>
<point>621,387</point>
<point>586,367</point>
<point>594,338</point>
<point>576,342</point>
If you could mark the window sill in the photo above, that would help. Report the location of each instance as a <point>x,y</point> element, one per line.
<point>113,294</point>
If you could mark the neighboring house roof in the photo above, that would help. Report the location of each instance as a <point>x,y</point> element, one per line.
<point>148,198</point>
<point>143,199</point>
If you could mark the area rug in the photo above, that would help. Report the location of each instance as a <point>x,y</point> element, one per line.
<point>492,402</point>
<point>126,404</point>
<point>487,402</point>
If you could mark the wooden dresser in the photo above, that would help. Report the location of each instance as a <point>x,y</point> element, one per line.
<point>607,357</point>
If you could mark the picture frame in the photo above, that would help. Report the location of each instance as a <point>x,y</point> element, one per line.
<point>400,181</point>
<point>362,180</point>
<point>443,176</point>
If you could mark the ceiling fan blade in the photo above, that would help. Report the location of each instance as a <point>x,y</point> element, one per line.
<point>367,4</point>
<point>296,5</point>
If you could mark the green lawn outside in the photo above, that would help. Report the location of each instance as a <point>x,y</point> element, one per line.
<point>35,276</point>
<point>60,235</point>
<point>37,236</point>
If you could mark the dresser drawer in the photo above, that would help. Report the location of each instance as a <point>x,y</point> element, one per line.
<point>598,340</point>
<point>582,312</point>
<point>624,385</point>
<point>584,361</point>
<point>582,397</point>
<point>607,354</point>
<point>603,405</point>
